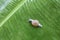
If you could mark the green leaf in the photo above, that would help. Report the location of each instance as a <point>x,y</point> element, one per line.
<point>14,16</point>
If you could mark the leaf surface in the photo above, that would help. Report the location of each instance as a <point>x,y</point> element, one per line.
<point>14,15</point>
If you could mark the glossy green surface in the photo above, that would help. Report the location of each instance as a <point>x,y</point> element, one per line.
<point>14,18</point>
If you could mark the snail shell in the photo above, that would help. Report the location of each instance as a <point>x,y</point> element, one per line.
<point>35,23</point>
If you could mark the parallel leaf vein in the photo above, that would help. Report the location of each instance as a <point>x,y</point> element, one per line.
<point>13,12</point>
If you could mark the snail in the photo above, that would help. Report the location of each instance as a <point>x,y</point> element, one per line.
<point>35,23</point>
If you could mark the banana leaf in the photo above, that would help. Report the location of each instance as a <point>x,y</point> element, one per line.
<point>14,16</point>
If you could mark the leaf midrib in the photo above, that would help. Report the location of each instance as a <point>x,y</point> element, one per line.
<point>12,12</point>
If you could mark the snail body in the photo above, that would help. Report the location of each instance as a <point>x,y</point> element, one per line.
<point>35,23</point>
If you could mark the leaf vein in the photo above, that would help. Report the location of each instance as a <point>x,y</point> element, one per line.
<point>13,12</point>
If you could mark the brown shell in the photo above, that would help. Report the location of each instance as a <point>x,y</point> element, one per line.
<point>35,23</point>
